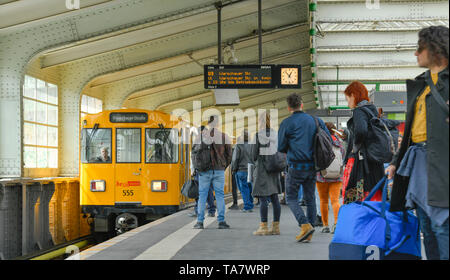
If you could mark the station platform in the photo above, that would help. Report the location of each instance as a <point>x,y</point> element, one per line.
<point>173,238</point>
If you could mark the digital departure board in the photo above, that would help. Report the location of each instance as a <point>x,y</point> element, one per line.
<point>252,76</point>
<point>238,76</point>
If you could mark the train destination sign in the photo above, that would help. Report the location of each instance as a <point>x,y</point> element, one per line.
<point>252,76</point>
<point>128,117</point>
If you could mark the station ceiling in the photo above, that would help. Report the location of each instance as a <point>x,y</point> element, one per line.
<point>152,52</point>
<point>158,64</point>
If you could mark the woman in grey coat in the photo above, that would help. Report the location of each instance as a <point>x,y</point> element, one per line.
<point>266,185</point>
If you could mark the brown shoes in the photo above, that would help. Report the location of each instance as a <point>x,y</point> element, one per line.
<point>306,231</point>
<point>275,230</point>
<point>262,230</point>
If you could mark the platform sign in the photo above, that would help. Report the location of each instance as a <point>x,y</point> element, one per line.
<point>252,76</point>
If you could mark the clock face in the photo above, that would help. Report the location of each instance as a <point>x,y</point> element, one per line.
<point>289,76</point>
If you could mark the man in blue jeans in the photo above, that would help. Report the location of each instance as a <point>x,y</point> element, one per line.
<point>210,199</point>
<point>220,149</point>
<point>239,165</point>
<point>296,139</point>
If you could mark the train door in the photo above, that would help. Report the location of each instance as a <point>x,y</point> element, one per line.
<point>129,167</point>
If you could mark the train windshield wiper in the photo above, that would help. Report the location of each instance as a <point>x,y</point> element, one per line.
<point>166,134</point>
<point>89,138</point>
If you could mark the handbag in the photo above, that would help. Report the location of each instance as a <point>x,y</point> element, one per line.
<point>353,189</point>
<point>366,231</point>
<point>190,189</point>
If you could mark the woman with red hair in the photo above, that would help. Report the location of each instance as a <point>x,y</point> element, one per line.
<point>360,174</point>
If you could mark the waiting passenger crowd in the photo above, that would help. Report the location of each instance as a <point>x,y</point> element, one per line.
<point>419,169</point>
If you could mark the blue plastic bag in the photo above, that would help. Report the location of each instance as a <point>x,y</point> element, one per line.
<point>367,231</point>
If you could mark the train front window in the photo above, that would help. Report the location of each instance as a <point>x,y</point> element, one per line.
<point>128,145</point>
<point>161,145</point>
<point>96,145</point>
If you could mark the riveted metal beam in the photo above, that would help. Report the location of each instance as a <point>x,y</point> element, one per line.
<point>132,38</point>
<point>332,11</point>
<point>189,57</point>
<point>15,13</point>
<point>373,73</point>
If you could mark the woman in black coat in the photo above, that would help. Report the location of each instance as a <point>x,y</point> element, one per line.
<point>421,166</point>
<point>361,174</point>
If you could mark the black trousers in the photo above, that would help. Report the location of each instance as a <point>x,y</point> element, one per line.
<point>234,187</point>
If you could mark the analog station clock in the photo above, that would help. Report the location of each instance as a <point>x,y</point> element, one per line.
<point>289,76</point>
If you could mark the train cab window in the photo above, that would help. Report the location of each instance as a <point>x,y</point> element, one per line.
<point>96,145</point>
<point>161,145</point>
<point>128,145</point>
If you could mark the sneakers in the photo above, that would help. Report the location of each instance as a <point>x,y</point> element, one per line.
<point>326,229</point>
<point>333,229</point>
<point>211,214</point>
<point>262,230</point>
<point>306,230</point>
<point>247,211</point>
<point>198,225</point>
<point>223,225</point>
<point>234,207</point>
<point>302,202</point>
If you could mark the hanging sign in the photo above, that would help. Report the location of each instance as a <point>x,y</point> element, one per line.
<point>252,76</point>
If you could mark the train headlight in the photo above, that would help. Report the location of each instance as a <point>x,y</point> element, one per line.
<point>98,185</point>
<point>159,186</point>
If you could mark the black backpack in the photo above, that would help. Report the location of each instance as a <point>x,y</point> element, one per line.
<point>380,146</point>
<point>323,148</point>
<point>201,157</point>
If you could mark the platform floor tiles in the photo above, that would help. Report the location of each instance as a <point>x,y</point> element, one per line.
<point>174,238</point>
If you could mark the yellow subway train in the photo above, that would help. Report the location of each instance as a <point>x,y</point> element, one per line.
<point>132,168</point>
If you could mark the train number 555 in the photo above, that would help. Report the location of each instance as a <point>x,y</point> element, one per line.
<point>127,193</point>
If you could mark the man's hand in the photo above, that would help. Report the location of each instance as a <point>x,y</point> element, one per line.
<point>390,171</point>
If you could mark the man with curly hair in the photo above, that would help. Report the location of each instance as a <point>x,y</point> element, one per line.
<point>421,166</point>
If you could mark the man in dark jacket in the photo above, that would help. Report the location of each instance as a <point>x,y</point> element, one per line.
<point>239,165</point>
<point>422,162</point>
<point>220,158</point>
<point>296,138</point>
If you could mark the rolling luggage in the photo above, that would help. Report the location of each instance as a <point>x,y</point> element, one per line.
<point>365,230</point>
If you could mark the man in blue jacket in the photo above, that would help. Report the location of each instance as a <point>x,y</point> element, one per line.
<point>296,138</point>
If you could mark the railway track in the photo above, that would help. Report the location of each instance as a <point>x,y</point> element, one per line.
<point>61,251</point>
